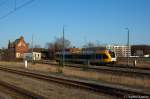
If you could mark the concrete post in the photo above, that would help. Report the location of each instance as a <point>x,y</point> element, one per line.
<point>25,63</point>
<point>88,62</point>
<point>135,62</point>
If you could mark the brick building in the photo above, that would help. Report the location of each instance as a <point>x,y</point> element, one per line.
<point>17,48</point>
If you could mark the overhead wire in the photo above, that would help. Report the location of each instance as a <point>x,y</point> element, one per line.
<point>26,3</point>
<point>15,9</point>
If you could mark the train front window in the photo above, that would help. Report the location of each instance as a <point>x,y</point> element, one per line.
<point>112,54</point>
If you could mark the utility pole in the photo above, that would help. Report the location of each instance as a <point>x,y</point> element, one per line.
<point>15,5</point>
<point>63,60</point>
<point>128,45</point>
<point>32,49</point>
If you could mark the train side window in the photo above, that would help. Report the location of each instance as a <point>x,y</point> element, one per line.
<point>98,56</point>
<point>86,57</point>
<point>89,56</point>
<point>66,56</point>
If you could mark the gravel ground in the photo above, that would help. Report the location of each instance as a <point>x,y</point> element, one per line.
<point>143,83</point>
<point>138,64</point>
<point>49,89</point>
<point>77,72</point>
<point>6,93</point>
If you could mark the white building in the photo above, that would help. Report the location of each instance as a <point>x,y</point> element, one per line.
<point>32,56</point>
<point>120,50</point>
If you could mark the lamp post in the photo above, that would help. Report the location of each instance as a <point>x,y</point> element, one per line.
<point>63,58</point>
<point>32,49</point>
<point>128,45</point>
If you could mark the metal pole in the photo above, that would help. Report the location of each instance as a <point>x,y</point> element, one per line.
<point>15,6</point>
<point>32,49</point>
<point>63,47</point>
<point>128,47</point>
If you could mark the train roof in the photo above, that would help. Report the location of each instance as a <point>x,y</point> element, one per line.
<point>83,52</point>
<point>79,52</point>
<point>94,48</point>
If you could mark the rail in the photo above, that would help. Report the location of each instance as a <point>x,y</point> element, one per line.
<point>110,68</point>
<point>22,91</point>
<point>115,90</point>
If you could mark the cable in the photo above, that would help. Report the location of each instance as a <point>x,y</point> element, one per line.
<point>26,3</point>
<point>7,14</point>
<point>15,9</point>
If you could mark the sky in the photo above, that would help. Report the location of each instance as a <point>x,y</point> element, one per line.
<point>98,21</point>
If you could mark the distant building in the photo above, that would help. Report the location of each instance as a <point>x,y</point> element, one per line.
<point>17,48</point>
<point>140,50</point>
<point>72,50</point>
<point>120,50</point>
<point>1,52</point>
<point>44,54</point>
<point>125,51</point>
<point>32,56</point>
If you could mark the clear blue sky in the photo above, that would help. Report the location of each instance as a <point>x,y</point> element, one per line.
<point>99,21</point>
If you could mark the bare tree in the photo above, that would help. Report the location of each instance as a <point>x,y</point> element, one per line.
<point>89,44</point>
<point>57,45</point>
<point>37,46</point>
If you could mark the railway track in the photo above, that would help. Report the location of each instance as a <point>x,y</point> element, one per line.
<point>22,92</point>
<point>110,68</point>
<point>114,90</point>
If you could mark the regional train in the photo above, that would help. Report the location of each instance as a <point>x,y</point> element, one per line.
<point>91,57</point>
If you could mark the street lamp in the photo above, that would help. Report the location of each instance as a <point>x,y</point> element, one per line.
<point>128,46</point>
<point>32,48</point>
<point>63,58</point>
